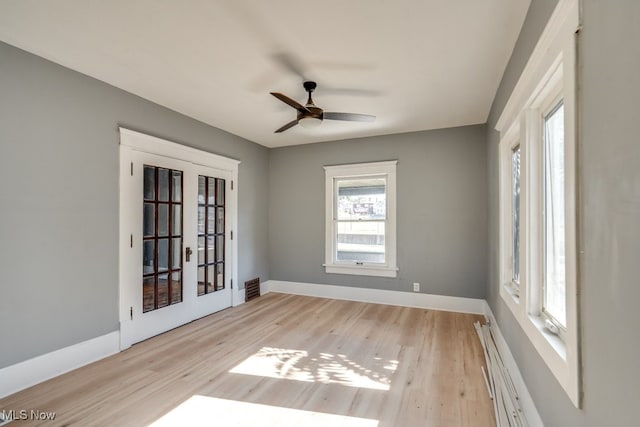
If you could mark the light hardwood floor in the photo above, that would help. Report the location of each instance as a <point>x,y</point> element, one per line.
<point>283,360</point>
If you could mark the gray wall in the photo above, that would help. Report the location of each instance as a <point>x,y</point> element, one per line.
<point>59,200</point>
<point>610,185</point>
<point>441,209</point>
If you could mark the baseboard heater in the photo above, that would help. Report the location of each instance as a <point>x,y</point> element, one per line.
<point>252,289</point>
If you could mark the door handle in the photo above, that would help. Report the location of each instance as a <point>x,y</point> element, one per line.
<point>188,253</point>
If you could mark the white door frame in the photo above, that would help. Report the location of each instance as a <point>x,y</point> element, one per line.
<point>132,141</point>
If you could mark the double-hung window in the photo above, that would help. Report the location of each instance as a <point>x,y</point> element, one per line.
<point>360,219</point>
<point>538,246</point>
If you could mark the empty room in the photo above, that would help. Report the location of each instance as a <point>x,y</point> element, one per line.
<point>342,213</point>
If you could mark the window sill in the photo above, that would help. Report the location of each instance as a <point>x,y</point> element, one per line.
<point>510,292</point>
<point>557,354</point>
<point>361,270</point>
<point>554,341</point>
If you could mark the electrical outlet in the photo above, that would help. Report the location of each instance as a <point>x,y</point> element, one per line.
<point>416,287</point>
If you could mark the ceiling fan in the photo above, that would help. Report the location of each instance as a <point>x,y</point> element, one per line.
<point>310,116</point>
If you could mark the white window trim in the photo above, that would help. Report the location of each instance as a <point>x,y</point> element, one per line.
<point>387,168</point>
<point>549,74</point>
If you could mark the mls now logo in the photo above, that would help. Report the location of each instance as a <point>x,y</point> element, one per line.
<point>7,416</point>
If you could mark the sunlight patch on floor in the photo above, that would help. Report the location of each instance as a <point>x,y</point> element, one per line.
<point>325,368</point>
<point>208,411</point>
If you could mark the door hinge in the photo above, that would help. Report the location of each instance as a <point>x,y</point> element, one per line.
<point>131,241</point>
<point>131,168</point>
<point>231,234</point>
<point>231,283</point>
<point>232,184</point>
<point>131,312</point>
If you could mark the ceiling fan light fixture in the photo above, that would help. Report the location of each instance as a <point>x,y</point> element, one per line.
<point>310,122</point>
<point>310,116</point>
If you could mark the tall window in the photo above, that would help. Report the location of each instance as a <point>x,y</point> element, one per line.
<point>538,218</point>
<point>360,219</point>
<point>515,218</point>
<point>554,270</point>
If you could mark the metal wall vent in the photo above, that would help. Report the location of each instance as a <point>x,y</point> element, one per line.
<point>252,289</point>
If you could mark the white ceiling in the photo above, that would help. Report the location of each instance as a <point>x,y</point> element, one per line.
<point>415,64</point>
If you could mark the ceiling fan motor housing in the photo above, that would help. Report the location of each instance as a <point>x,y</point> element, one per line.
<point>314,112</point>
<point>309,86</point>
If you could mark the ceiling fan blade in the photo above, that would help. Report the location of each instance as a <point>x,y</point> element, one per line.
<point>350,117</point>
<point>291,63</point>
<point>351,91</point>
<point>291,102</point>
<point>287,126</point>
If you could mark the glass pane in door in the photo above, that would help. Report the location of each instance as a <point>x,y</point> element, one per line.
<point>176,287</point>
<point>162,238</point>
<point>148,293</point>
<point>211,234</point>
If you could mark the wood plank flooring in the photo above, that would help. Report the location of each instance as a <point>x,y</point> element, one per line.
<point>283,360</point>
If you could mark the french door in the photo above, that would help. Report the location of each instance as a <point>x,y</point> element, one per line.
<point>176,257</point>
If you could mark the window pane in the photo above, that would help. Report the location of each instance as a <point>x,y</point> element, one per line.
<point>149,220</point>
<point>163,219</point>
<point>363,198</point>
<point>220,276</point>
<point>176,287</point>
<point>211,248</point>
<point>149,183</point>
<point>176,186</point>
<point>361,241</point>
<point>201,219</point>
<point>515,191</point>
<point>176,253</point>
<point>220,191</point>
<point>212,191</point>
<point>201,259</point>
<point>202,186</point>
<point>554,295</point>
<point>211,220</point>
<point>163,290</point>
<point>210,277</point>
<point>163,254</point>
<point>163,185</point>
<point>201,280</point>
<point>148,256</point>
<point>176,220</point>
<point>148,294</point>
<point>219,220</point>
<point>220,248</point>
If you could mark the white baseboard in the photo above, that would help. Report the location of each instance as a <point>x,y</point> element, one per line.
<point>377,296</point>
<point>526,402</point>
<point>41,368</point>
